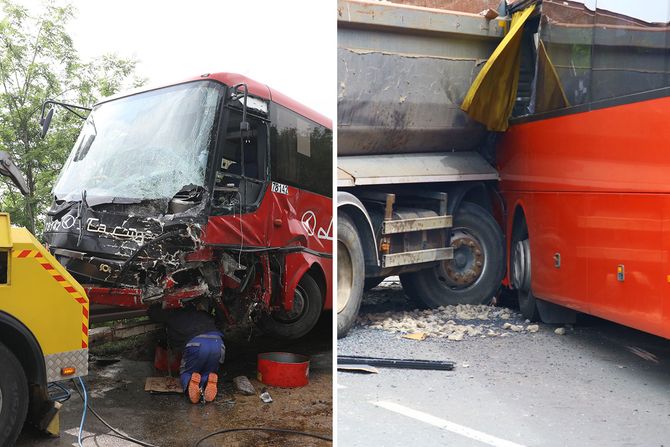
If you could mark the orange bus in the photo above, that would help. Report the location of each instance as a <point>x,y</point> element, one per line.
<point>585,165</point>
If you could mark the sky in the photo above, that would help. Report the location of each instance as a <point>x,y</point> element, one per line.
<point>647,10</point>
<point>289,45</point>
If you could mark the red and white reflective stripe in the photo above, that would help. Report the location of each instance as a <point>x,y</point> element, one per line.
<point>64,283</point>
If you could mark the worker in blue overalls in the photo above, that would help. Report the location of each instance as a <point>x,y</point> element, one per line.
<point>192,331</point>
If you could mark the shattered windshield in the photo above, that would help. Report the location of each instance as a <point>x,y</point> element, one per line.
<point>145,146</point>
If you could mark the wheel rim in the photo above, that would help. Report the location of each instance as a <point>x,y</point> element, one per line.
<point>300,305</point>
<point>345,276</point>
<point>469,261</point>
<point>520,266</point>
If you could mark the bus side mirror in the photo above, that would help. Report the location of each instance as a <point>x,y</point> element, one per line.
<point>46,122</point>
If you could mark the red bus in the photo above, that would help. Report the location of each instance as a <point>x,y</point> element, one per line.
<point>216,187</point>
<point>585,165</point>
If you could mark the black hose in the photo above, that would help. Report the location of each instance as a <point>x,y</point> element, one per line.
<point>272,430</point>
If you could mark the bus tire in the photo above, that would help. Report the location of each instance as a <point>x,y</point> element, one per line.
<point>521,273</point>
<point>474,275</point>
<point>350,274</point>
<point>13,397</point>
<point>307,303</point>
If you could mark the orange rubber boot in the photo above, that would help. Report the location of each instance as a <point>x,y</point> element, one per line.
<point>210,388</point>
<point>194,392</point>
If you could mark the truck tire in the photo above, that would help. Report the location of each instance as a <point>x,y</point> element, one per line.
<point>13,397</point>
<point>475,273</point>
<point>350,274</point>
<point>307,304</point>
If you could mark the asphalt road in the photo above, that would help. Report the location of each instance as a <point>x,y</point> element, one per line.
<point>600,384</point>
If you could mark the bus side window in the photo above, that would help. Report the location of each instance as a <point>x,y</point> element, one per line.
<point>301,152</point>
<point>241,175</point>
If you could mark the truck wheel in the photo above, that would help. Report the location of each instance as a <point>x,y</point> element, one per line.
<point>474,274</point>
<point>350,274</point>
<point>307,306</point>
<point>13,397</point>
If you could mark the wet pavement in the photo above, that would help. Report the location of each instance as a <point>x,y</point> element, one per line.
<point>599,384</point>
<point>117,393</point>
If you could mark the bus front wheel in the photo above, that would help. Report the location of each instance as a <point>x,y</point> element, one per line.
<point>474,274</point>
<point>296,323</point>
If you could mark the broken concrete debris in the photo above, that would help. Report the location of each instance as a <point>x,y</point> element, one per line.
<point>244,386</point>
<point>559,331</point>
<point>454,323</point>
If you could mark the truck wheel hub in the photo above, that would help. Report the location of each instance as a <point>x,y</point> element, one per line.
<point>468,262</point>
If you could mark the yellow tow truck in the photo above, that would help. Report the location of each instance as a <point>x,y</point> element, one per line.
<point>43,326</point>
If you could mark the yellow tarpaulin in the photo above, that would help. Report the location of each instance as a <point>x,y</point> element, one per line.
<point>549,91</point>
<point>492,94</point>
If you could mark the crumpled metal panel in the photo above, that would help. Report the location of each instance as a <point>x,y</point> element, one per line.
<point>299,223</point>
<point>77,359</point>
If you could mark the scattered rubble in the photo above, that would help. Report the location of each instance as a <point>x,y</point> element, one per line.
<point>559,331</point>
<point>244,386</point>
<point>265,396</point>
<point>450,322</point>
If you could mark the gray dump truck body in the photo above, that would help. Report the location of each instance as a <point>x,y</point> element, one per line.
<point>403,73</point>
<point>408,156</point>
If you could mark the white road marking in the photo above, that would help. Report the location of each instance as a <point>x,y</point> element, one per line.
<point>446,425</point>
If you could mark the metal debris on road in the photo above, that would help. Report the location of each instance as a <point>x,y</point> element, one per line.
<point>646,355</point>
<point>441,365</point>
<point>358,368</point>
<point>265,396</point>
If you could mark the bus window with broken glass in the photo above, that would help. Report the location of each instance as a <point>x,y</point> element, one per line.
<point>241,176</point>
<point>146,146</point>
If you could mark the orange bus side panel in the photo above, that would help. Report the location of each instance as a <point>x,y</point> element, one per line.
<point>595,188</point>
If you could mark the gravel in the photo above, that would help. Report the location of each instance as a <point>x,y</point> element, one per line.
<point>386,308</point>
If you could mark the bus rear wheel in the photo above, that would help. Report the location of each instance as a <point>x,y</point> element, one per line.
<point>13,397</point>
<point>474,275</point>
<point>296,323</point>
<point>520,275</point>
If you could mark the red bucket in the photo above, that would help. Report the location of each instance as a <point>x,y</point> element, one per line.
<point>283,369</point>
<point>163,358</point>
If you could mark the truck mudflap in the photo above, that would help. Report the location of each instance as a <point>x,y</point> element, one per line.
<point>57,363</point>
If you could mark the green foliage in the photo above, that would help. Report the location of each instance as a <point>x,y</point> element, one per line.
<point>38,60</point>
